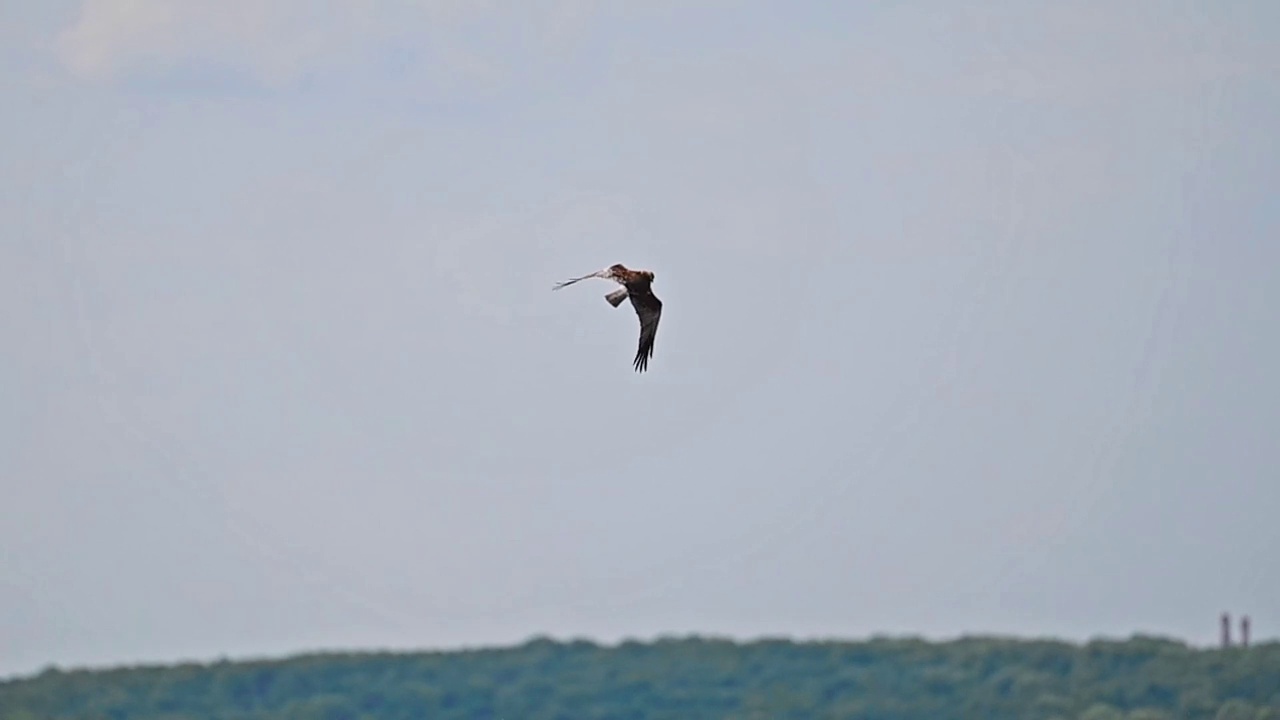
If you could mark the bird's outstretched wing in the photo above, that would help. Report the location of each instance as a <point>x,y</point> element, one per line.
<point>598,274</point>
<point>649,310</point>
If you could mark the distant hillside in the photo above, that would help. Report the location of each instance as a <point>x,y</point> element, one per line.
<point>688,679</point>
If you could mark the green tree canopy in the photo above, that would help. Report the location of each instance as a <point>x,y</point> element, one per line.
<point>687,679</point>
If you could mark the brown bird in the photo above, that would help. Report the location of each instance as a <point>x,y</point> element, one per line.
<point>635,285</point>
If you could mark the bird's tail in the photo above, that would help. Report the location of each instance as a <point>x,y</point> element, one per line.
<point>616,297</point>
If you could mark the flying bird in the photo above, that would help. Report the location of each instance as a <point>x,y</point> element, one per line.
<point>636,286</point>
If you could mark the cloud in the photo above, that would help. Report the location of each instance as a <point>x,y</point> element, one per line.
<point>279,41</point>
<point>1000,48</point>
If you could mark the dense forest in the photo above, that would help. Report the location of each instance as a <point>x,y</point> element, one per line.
<point>1142,678</point>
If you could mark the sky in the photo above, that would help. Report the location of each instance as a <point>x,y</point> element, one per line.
<point>966,328</point>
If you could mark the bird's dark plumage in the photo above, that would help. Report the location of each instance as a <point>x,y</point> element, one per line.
<point>649,310</point>
<point>636,285</point>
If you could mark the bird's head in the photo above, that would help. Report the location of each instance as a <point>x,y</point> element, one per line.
<point>647,274</point>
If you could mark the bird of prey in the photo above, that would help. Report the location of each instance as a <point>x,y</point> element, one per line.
<point>636,286</point>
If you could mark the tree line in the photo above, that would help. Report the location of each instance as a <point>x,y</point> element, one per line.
<point>692,678</point>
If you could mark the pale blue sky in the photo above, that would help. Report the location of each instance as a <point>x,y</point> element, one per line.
<point>967,324</point>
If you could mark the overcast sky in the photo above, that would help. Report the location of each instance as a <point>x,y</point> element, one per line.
<point>967,324</point>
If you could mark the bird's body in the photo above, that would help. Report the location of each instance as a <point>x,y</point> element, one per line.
<point>636,285</point>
